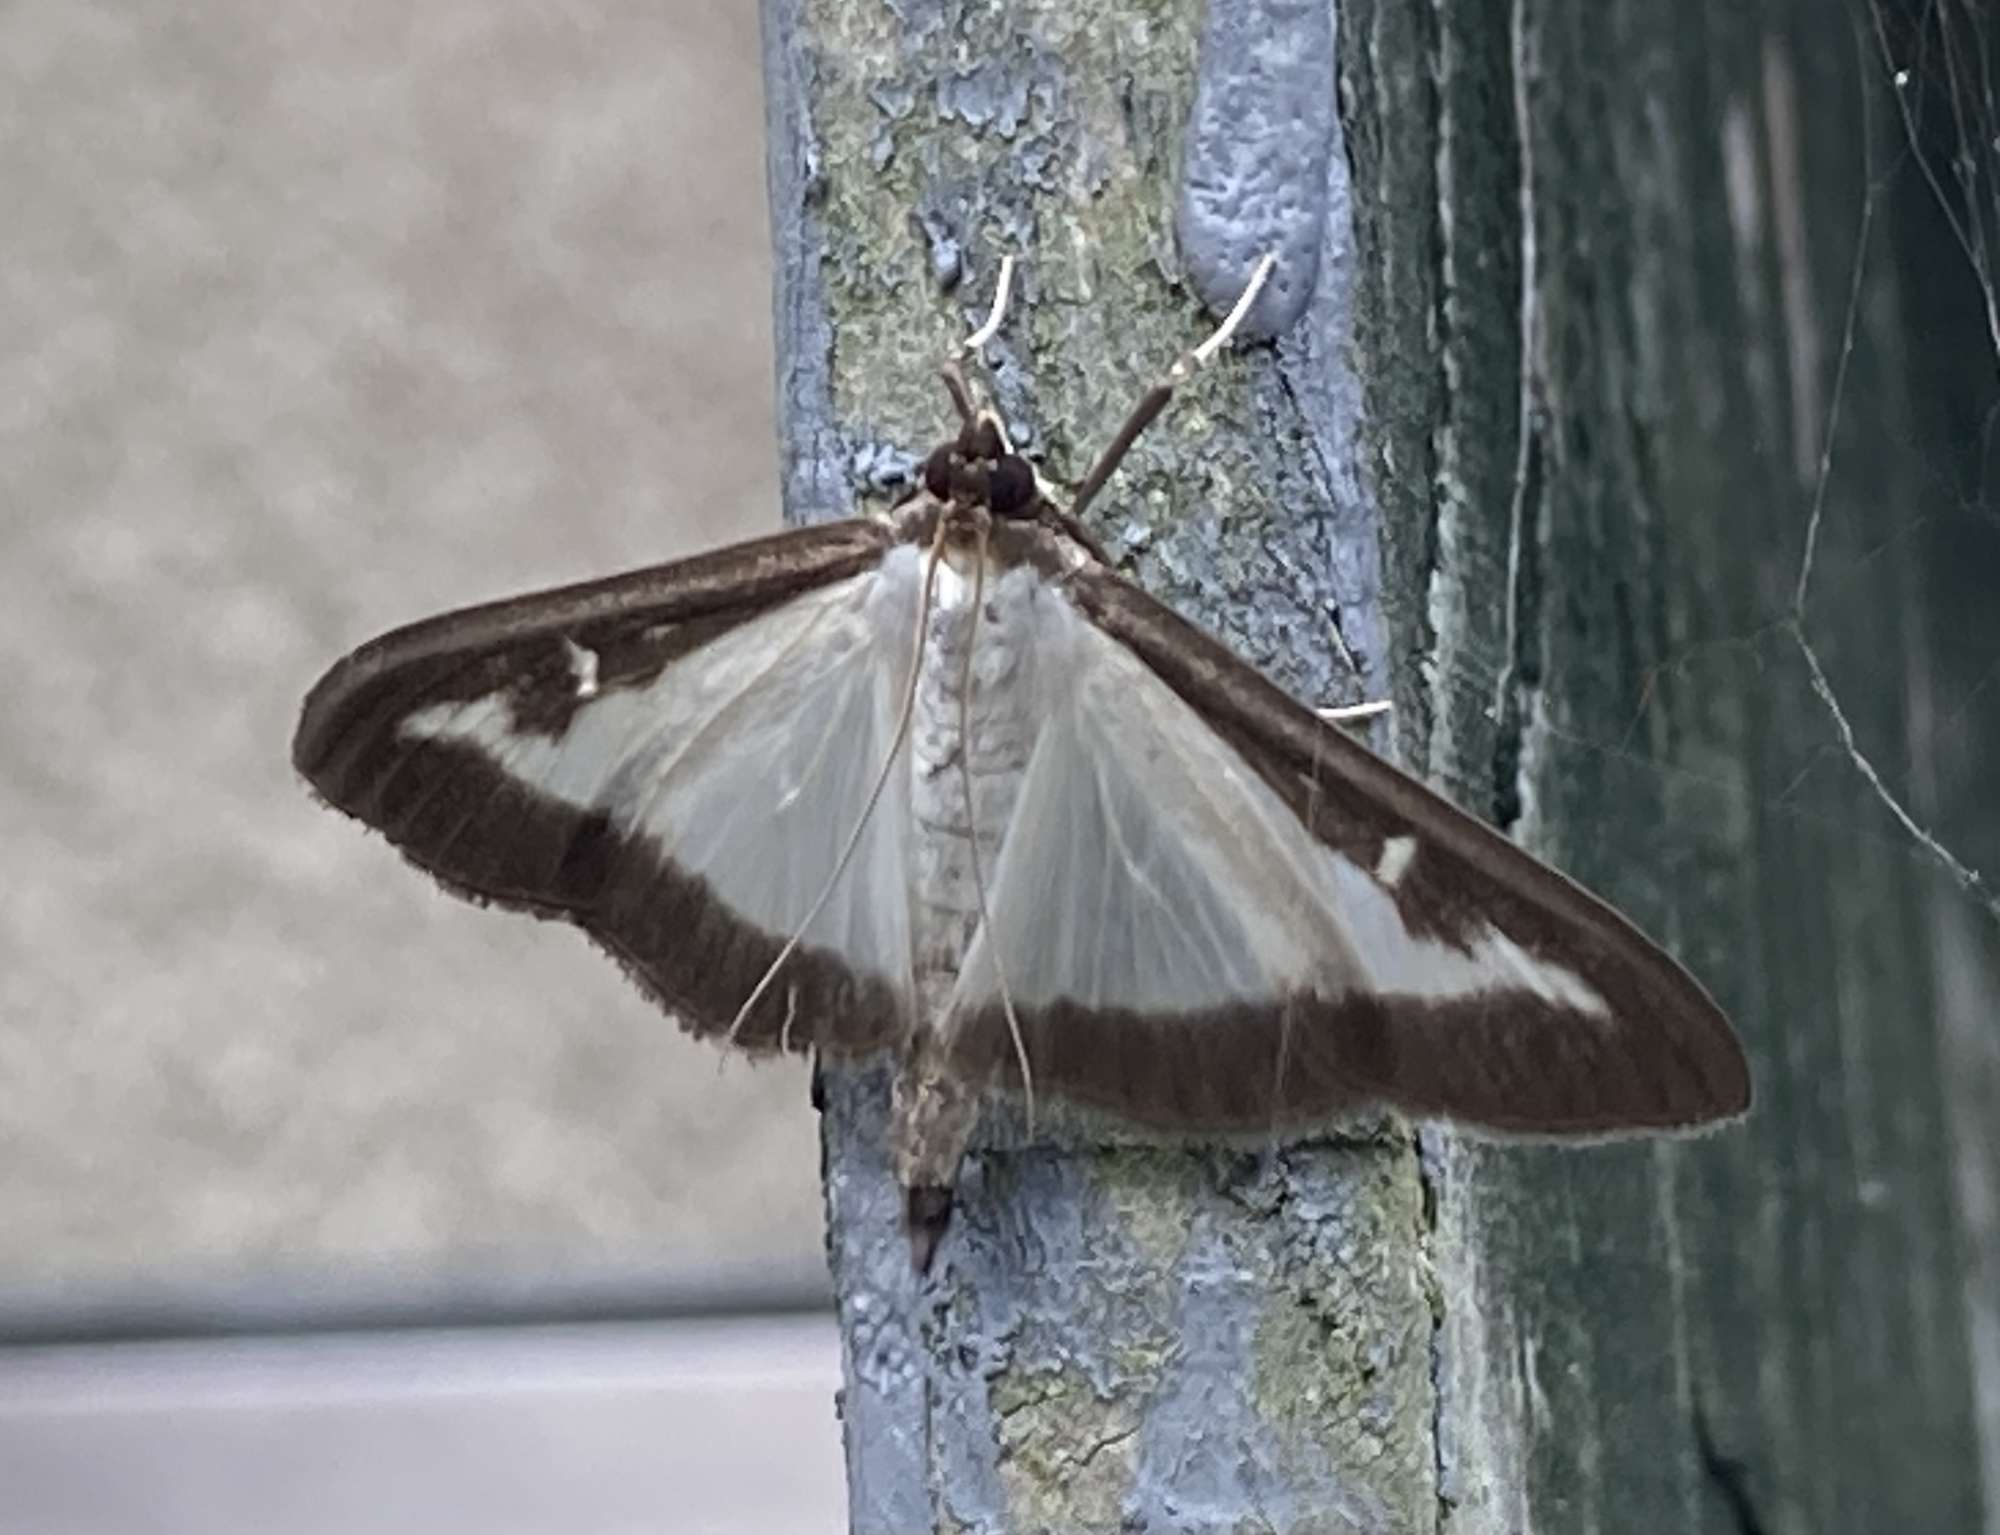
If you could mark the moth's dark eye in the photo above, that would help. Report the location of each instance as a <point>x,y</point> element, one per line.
<point>1011,489</point>
<point>983,440</point>
<point>937,473</point>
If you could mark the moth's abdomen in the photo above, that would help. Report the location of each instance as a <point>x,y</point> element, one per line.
<point>977,737</point>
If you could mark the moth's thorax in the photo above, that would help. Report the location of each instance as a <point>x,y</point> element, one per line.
<point>972,726</point>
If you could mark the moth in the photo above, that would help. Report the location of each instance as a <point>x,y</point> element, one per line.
<point>942,783</point>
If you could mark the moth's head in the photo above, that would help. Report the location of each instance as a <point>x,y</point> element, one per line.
<point>978,468</point>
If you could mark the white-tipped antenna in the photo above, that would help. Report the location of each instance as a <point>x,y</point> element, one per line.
<point>991,328</point>
<point>1156,398</point>
<point>1231,323</point>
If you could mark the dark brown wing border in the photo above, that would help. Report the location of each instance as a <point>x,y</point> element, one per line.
<point>487,836</point>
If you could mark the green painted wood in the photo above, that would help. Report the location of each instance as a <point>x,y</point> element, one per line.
<point>1786,1327</point>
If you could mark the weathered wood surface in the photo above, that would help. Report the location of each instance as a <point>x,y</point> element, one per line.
<point>1540,446</point>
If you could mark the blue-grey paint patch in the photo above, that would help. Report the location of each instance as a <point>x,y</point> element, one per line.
<point>895,99</point>
<point>883,1403</point>
<point>1188,1472</point>
<point>1254,157</point>
<point>1177,1399</point>
<point>985,1326</point>
<point>937,215</point>
<point>812,465</point>
<point>1134,537</point>
<point>882,469</point>
<point>986,95</point>
<point>921,19</point>
<point>1208,1452</point>
<point>1315,365</point>
<point>1319,580</point>
<point>1027,1220</point>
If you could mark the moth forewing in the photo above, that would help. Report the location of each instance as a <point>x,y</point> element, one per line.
<point>676,809</point>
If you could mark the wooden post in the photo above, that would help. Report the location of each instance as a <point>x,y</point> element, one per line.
<point>1625,239</point>
<point>1512,452</point>
<point>1112,1331</point>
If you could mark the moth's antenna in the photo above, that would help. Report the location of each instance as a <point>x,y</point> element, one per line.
<point>954,377</point>
<point>961,397</point>
<point>1156,398</point>
<point>1231,323</point>
<point>1005,288</point>
<point>972,819</point>
<point>874,798</point>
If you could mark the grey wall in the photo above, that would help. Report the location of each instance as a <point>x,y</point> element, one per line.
<point>314,320</point>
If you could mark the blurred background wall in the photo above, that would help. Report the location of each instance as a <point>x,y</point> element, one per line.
<point>313,321</point>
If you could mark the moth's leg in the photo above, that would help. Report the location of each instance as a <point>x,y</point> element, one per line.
<point>1156,398</point>
<point>1348,713</point>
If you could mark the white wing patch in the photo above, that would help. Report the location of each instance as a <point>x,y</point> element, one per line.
<point>583,668</point>
<point>748,761</point>
<point>1149,867</point>
<point>1398,853</point>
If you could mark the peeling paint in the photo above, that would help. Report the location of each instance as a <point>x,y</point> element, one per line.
<point>1255,155</point>
<point>884,1403</point>
<point>1073,1456</point>
<point>810,458</point>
